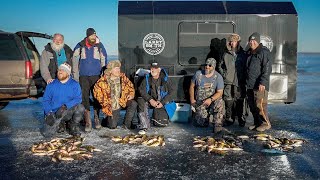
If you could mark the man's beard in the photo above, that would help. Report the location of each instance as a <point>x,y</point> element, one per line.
<point>92,41</point>
<point>115,75</point>
<point>208,71</point>
<point>57,47</point>
<point>61,77</point>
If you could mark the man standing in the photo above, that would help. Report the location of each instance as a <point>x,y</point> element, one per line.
<point>257,80</point>
<point>88,60</point>
<point>232,69</point>
<point>206,89</point>
<point>62,102</point>
<point>53,55</point>
<point>115,91</point>
<point>156,91</point>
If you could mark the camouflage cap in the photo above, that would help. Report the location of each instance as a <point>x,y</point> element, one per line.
<point>211,61</point>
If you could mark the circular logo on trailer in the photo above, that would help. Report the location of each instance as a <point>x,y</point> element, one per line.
<point>153,43</point>
<point>267,42</point>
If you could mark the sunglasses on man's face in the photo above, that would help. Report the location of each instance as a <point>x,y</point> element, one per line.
<point>209,65</point>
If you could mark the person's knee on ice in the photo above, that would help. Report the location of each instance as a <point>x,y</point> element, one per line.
<point>156,92</point>
<point>61,98</point>
<point>206,89</point>
<point>114,91</point>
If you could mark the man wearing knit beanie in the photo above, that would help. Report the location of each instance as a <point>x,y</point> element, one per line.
<point>255,37</point>
<point>115,91</point>
<point>89,58</point>
<point>66,68</point>
<point>257,81</point>
<point>232,69</point>
<point>91,36</point>
<point>62,103</point>
<point>90,31</point>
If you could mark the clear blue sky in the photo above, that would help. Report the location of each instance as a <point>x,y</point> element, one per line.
<point>73,17</point>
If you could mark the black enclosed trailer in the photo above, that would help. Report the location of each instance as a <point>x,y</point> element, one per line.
<point>181,34</point>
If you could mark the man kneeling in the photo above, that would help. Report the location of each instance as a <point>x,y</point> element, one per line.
<point>115,91</point>
<point>156,91</point>
<point>62,103</point>
<point>206,89</point>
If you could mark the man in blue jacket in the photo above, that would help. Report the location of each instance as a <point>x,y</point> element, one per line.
<point>62,101</point>
<point>89,58</point>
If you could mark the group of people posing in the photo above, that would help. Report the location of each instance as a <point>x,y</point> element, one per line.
<point>217,99</point>
<point>220,93</point>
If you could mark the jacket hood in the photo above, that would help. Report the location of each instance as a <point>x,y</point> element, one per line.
<point>163,74</point>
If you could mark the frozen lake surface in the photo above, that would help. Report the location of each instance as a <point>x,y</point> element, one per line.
<point>20,122</point>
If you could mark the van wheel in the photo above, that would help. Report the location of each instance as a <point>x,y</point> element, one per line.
<point>3,104</point>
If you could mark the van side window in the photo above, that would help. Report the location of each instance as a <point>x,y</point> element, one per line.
<point>8,48</point>
<point>28,49</point>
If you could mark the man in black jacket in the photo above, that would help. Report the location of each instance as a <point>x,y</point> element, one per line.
<point>156,91</point>
<point>232,69</point>
<point>257,81</point>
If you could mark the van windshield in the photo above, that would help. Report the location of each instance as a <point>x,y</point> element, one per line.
<point>8,48</point>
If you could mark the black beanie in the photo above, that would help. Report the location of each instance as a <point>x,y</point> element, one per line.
<point>255,36</point>
<point>90,31</point>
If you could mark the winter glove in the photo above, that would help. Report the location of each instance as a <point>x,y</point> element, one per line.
<point>61,110</point>
<point>50,119</point>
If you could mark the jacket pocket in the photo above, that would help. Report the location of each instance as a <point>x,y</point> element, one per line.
<point>96,54</point>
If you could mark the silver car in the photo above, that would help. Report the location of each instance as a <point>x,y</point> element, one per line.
<point>19,66</point>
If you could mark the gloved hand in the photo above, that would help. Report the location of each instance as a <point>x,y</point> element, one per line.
<point>60,111</point>
<point>50,119</point>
